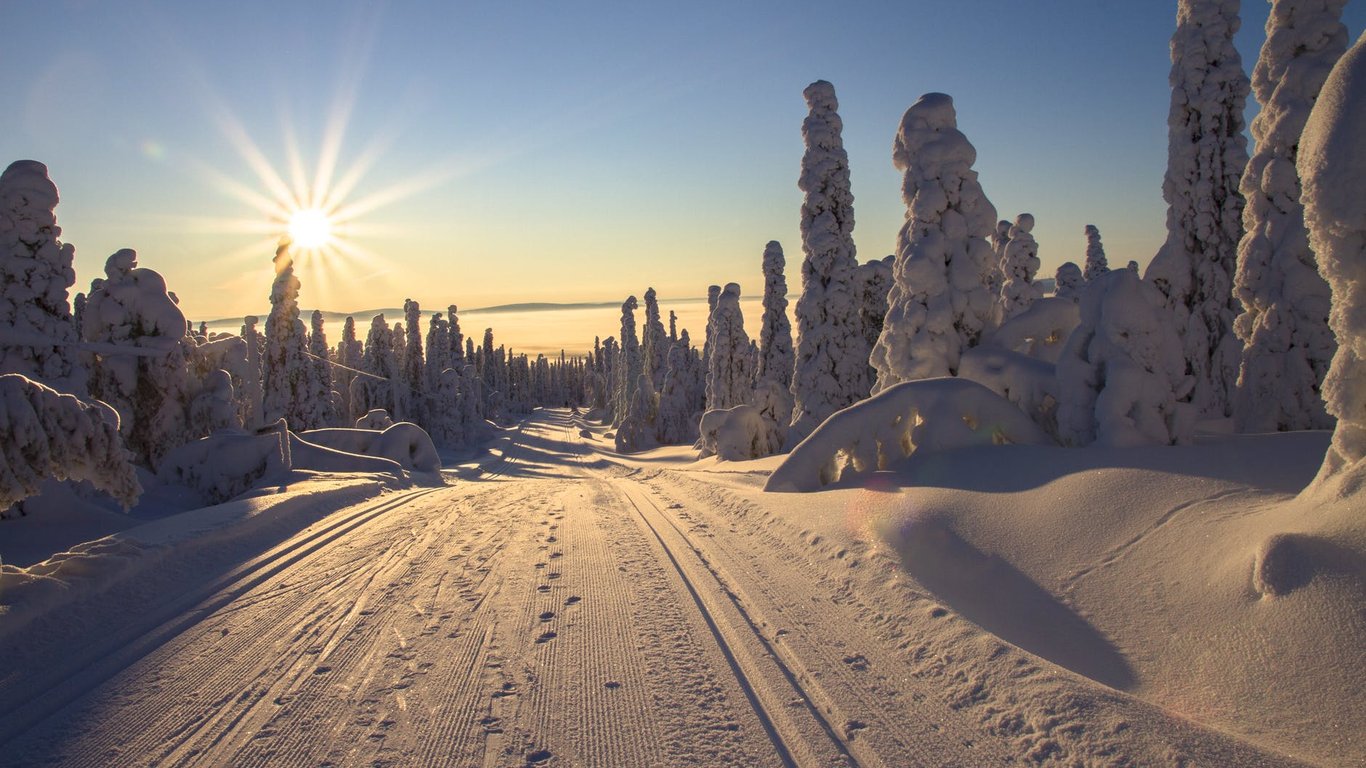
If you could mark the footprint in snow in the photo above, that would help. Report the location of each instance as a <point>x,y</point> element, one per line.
<point>546,636</point>
<point>572,599</point>
<point>538,757</point>
<point>547,616</point>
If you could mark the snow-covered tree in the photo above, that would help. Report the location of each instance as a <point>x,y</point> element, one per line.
<point>142,368</point>
<point>325,411</point>
<point>654,344</point>
<point>831,368</point>
<point>674,422</point>
<point>873,283</point>
<point>376,390</point>
<point>414,379</point>
<point>713,295</point>
<point>1206,154</point>
<point>1132,266</point>
<point>1068,281</point>
<point>730,374</point>
<point>775,329</point>
<point>1096,265</point>
<point>1332,164</point>
<point>1000,238</point>
<point>254,395</point>
<point>1287,345</point>
<point>438,355</point>
<point>1122,373</point>
<point>285,368</point>
<point>45,433</point>
<point>629,367</point>
<point>939,304</point>
<point>348,360</point>
<point>1019,265</point>
<point>638,430</point>
<point>37,335</point>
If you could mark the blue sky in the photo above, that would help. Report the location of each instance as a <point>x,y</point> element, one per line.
<point>570,151</point>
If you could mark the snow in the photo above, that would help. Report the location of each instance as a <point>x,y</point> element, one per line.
<point>730,372</point>
<point>1040,331</point>
<point>1332,161</point>
<point>738,434</point>
<point>1019,264</point>
<point>776,358</point>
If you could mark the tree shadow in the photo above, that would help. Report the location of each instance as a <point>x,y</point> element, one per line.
<point>998,597</point>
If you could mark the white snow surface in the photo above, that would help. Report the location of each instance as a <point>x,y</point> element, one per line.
<point>1136,606</point>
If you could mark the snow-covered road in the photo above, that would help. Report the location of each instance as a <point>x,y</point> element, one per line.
<point>561,609</point>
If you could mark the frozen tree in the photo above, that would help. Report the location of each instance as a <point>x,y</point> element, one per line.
<point>831,368</point>
<point>1287,344</point>
<point>730,374</point>
<point>1068,281</point>
<point>142,366</point>
<point>654,345</point>
<point>939,302</point>
<point>673,326</point>
<point>414,381</point>
<point>1019,265</point>
<point>253,395</point>
<point>674,420</point>
<point>1206,154</point>
<point>348,360</point>
<point>629,367</point>
<point>1000,238</point>
<point>775,330</point>
<point>1132,266</point>
<point>1332,164</point>
<point>457,338</point>
<point>637,430</point>
<point>1122,373</point>
<point>713,295</point>
<point>45,433</point>
<point>438,357</point>
<point>1095,255</point>
<point>873,283</point>
<point>375,390</point>
<point>320,395</point>
<point>37,335</point>
<point>285,368</point>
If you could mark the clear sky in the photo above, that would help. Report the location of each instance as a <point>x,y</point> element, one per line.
<point>518,151</point>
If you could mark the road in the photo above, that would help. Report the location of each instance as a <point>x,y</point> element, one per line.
<point>563,609</point>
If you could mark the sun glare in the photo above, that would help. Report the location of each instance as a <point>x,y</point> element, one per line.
<point>310,228</point>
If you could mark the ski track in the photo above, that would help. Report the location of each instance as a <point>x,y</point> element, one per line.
<point>553,611</point>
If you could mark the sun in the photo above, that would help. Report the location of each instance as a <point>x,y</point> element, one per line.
<point>310,228</point>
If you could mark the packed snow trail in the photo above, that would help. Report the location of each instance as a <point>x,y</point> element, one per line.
<point>561,609</point>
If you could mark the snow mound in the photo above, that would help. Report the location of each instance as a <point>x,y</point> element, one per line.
<point>405,443</point>
<point>923,415</point>
<point>1040,330</point>
<point>227,463</point>
<point>739,434</point>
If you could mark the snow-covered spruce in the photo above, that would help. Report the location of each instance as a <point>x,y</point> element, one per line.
<point>1018,266</point>
<point>730,375</point>
<point>284,368</point>
<point>872,284</point>
<point>1287,345</point>
<point>1332,164</point>
<point>438,348</point>
<point>674,423</point>
<point>924,415</point>
<point>1206,154</point>
<point>1068,281</point>
<point>831,369</point>
<point>939,303</point>
<point>999,239</point>
<point>414,403</point>
<point>253,395</point>
<point>45,433</point>
<point>654,345</point>
<point>738,434</point>
<point>638,430</point>
<point>348,358</point>
<point>325,402</point>
<point>37,336</point>
<point>143,366</point>
<point>775,330</point>
<point>1096,265</point>
<point>375,391</point>
<point>1121,376</point>
<point>629,365</point>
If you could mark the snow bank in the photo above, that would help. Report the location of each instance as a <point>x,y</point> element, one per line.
<point>46,433</point>
<point>922,415</point>
<point>227,463</point>
<point>1332,164</point>
<point>404,442</point>
<point>1028,382</point>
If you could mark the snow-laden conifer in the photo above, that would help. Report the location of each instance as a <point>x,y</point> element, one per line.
<point>414,377</point>
<point>654,345</point>
<point>1206,154</point>
<point>1068,281</point>
<point>939,302</point>
<point>1096,265</point>
<point>284,368</point>
<point>730,370</point>
<point>638,430</point>
<point>674,421</point>
<point>775,329</point>
<point>831,369</point>
<point>1332,164</point>
<point>324,410</point>
<point>999,238</point>
<point>254,395</point>
<point>37,335</point>
<point>1287,344</point>
<point>629,365</point>
<point>1019,266</point>
<point>376,390</point>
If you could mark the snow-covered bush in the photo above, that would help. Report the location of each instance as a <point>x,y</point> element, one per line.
<point>1039,331</point>
<point>1121,375</point>
<point>831,367</point>
<point>1018,266</point>
<point>923,415</point>
<point>1068,282</point>
<point>227,463</point>
<point>738,434</point>
<point>37,336</point>
<point>45,433</point>
<point>1287,345</point>
<point>1332,164</point>
<point>638,430</point>
<point>375,418</point>
<point>730,373</point>
<point>939,304</point>
<point>1096,265</point>
<point>1206,154</point>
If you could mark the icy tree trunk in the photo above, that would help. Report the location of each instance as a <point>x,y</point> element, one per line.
<point>1287,345</point>
<point>1206,157</point>
<point>939,303</point>
<point>1332,164</point>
